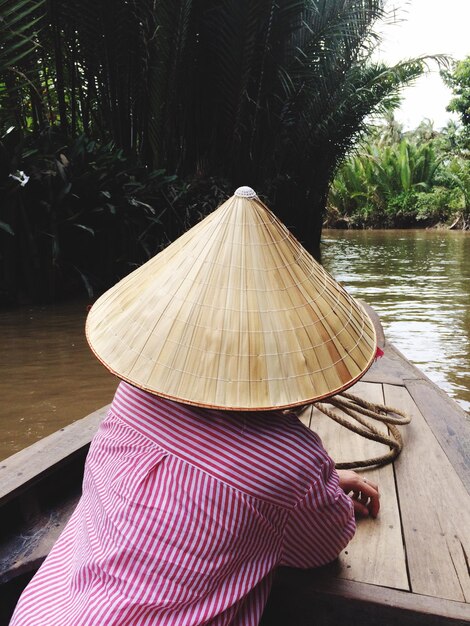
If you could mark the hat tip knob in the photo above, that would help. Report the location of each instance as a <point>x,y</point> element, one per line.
<point>245,192</point>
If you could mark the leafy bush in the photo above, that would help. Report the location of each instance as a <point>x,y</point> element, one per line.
<point>77,216</point>
<point>403,180</point>
<point>401,209</point>
<point>437,205</point>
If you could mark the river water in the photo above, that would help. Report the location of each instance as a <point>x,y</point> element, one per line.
<point>48,376</point>
<point>417,281</point>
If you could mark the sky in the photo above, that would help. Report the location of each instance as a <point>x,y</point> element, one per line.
<point>426,27</point>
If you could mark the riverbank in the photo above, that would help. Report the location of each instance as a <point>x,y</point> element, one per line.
<point>377,221</point>
<point>404,179</point>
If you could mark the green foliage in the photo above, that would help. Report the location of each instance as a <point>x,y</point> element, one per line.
<point>262,93</point>
<point>276,94</point>
<point>220,94</point>
<point>398,179</point>
<point>20,20</point>
<point>458,179</point>
<point>436,206</point>
<point>74,215</point>
<point>458,80</point>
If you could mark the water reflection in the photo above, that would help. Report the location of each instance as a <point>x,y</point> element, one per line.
<point>419,284</point>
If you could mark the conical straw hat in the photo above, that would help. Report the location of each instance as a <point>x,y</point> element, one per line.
<point>235,314</point>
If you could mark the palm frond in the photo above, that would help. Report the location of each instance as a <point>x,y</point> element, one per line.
<point>20,22</point>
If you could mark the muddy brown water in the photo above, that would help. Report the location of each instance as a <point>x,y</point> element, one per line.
<point>48,376</point>
<point>417,281</point>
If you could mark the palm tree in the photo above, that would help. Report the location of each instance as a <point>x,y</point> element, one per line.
<point>383,173</point>
<point>266,93</point>
<point>20,22</point>
<point>273,95</point>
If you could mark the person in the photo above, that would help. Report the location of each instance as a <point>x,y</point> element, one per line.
<point>202,480</point>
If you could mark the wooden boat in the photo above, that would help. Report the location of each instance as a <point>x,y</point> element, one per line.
<point>408,567</point>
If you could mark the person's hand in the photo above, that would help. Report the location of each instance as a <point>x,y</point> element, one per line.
<point>363,492</point>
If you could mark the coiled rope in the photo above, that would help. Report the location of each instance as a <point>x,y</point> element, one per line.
<point>358,409</point>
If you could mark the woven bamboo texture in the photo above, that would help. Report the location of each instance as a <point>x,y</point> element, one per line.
<point>235,314</point>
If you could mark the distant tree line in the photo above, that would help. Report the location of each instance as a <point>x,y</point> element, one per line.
<point>409,179</point>
<point>122,122</point>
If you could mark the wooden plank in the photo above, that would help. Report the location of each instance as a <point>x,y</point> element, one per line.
<point>317,598</point>
<point>448,422</point>
<point>28,465</point>
<point>391,369</point>
<point>376,541</point>
<point>435,509</point>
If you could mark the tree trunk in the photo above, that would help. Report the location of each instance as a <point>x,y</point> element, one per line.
<point>302,210</point>
<point>59,70</point>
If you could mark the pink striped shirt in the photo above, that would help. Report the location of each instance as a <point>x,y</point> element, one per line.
<point>185,515</point>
